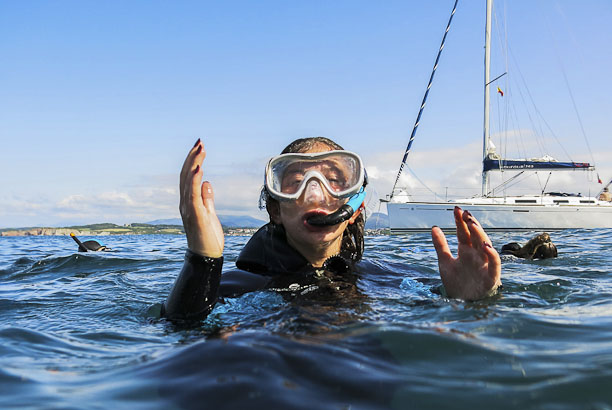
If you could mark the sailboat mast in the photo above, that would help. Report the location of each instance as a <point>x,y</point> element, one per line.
<point>487,75</point>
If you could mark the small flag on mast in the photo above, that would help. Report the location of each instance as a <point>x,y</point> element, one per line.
<point>599,179</point>
<point>500,91</point>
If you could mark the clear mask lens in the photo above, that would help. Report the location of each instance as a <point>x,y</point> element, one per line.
<point>340,172</point>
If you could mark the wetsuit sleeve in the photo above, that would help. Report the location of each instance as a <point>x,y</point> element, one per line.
<point>196,289</point>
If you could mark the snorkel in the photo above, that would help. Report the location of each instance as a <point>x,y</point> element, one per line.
<point>82,247</point>
<point>344,213</point>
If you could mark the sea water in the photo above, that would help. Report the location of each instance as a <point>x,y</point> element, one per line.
<point>82,331</point>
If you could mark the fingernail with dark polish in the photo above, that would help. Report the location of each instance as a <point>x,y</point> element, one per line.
<point>199,150</point>
<point>486,244</point>
<point>467,212</point>
<point>196,170</point>
<point>197,142</point>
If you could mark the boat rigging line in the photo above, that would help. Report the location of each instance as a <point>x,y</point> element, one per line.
<point>436,196</point>
<point>504,183</point>
<point>418,119</point>
<point>546,184</point>
<point>571,94</point>
<point>539,115</point>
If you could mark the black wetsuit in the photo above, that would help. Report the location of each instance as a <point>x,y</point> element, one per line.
<point>266,261</point>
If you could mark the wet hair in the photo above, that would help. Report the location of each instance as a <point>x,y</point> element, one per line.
<point>353,236</point>
<point>306,144</point>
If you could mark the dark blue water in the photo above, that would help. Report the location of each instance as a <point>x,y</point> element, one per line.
<point>82,331</point>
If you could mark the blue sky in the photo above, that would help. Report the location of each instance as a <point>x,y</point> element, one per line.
<point>100,101</point>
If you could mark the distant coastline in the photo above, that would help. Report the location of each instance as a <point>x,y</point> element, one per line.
<point>94,229</point>
<point>112,229</point>
<point>132,229</point>
<point>377,224</point>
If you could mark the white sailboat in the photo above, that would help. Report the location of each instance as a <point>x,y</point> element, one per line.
<point>541,211</point>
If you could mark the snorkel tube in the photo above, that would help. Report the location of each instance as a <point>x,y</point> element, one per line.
<point>82,247</point>
<point>342,214</point>
<point>89,246</point>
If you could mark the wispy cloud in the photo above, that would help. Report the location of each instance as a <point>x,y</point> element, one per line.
<point>444,171</point>
<point>134,205</point>
<point>457,172</point>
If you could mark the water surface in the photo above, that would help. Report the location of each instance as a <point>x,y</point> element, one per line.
<point>82,331</point>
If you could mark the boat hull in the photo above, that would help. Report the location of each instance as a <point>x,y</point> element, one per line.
<point>421,216</point>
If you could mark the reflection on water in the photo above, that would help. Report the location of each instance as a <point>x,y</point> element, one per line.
<point>82,331</point>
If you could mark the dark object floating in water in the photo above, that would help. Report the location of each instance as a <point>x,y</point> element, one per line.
<point>538,247</point>
<point>89,246</point>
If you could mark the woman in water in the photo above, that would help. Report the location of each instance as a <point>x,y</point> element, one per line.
<point>314,194</point>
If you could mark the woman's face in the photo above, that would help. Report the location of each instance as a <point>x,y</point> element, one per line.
<point>315,199</point>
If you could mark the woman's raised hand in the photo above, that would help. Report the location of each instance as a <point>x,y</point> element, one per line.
<point>197,206</point>
<point>476,272</point>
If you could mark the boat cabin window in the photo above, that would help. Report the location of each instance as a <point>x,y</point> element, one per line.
<point>587,202</point>
<point>561,201</point>
<point>525,201</point>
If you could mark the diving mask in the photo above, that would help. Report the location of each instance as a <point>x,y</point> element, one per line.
<point>340,172</point>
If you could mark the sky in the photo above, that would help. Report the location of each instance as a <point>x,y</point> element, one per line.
<point>101,101</point>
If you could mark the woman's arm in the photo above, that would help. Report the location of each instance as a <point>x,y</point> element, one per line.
<point>196,289</point>
<point>197,206</point>
<point>476,272</point>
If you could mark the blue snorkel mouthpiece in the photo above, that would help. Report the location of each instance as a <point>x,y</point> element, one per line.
<point>344,213</point>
